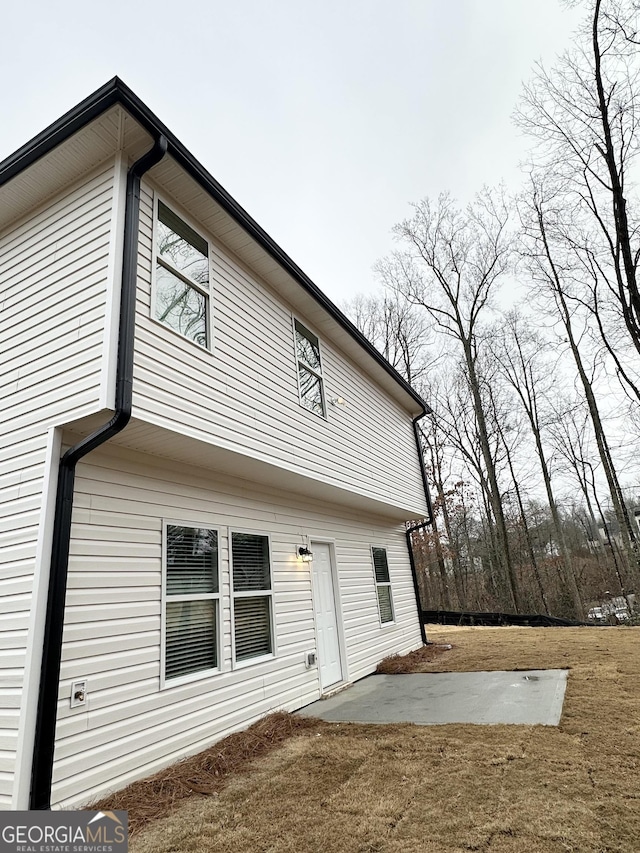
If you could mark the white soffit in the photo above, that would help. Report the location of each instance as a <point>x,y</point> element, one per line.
<point>66,164</point>
<point>161,444</point>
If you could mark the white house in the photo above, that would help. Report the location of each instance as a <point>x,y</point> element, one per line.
<point>207,470</point>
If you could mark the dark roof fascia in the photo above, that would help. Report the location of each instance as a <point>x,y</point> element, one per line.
<point>117,92</point>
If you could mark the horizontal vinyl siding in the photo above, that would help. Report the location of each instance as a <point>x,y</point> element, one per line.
<point>22,472</point>
<point>21,484</point>
<point>53,275</point>
<point>130,727</point>
<point>243,395</point>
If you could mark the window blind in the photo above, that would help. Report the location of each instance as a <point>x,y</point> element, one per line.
<point>191,607</point>
<point>252,614</point>
<point>192,560</point>
<point>380,564</point>
<point>252,617</point>
<point>384,602</point>
<point>250,562</point>
<point>181,230</point>
<point>190,637</point>
<point>383,584</point>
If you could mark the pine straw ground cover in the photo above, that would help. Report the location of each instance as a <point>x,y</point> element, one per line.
<point>301,786</point>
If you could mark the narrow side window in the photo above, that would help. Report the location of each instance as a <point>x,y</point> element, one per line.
<point>192,600</point>
<point>310,379</point>
<point>383,584</point>
<point>252,596</point>
<point>182,277</point>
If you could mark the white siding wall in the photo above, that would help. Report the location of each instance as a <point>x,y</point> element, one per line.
<point>243,395</point>
<point>130,727</point>
<point>53,272</point>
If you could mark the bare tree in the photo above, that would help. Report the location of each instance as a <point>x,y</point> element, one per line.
<point>518,349</point>
<point>436,445</point>
<point>547,262</point>
<point>571,438</point>
<point>584,116</point>
<point>397,330</point>
<point>451,264</point>
<point>507,441</point>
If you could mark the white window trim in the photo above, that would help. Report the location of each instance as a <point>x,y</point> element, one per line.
<point>207,293</point>
<point>242,664</point>
<point>201,674</point>
<point>320,375</point>
<point>383,583</point>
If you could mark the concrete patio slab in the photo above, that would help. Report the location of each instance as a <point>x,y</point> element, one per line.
<point>528,698</point>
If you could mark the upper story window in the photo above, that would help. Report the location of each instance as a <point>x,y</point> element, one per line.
<point>383,584</point>
<point>182,277</point>
<point>309,370</point>
<point>192,595</point>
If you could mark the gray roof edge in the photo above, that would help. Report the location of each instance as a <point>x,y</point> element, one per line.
<point>115,91</point>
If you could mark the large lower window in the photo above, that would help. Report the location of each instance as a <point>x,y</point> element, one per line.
<point>181,277</point>
<point>309,370</point>
<point>252,612</point>
<point>383,584</point>
<point>192,593</point>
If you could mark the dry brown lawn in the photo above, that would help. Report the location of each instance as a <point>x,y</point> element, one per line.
<point>347,788</point>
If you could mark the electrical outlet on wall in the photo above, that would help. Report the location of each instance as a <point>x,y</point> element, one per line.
<point>310,659</point>
<point>78,693</point>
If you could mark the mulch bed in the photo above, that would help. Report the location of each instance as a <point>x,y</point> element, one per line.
<point>399,664</point>
<point>205,773</point>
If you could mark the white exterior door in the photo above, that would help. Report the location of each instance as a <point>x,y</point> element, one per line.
<point>326,617</point>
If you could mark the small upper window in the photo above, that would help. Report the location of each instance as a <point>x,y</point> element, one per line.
<point>309,370</point>
<point>383,584</point>
<point>182,277</point>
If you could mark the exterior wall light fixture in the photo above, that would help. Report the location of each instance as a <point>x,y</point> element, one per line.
<point>305,554</point>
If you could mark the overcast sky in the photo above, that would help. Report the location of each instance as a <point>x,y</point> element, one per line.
<point>324,119</point>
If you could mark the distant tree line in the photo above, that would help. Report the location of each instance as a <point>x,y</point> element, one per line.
<point>536,405</point>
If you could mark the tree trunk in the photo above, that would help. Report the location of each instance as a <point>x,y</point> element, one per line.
<point>619,506</point>
<point>527,533</point>
<point>504,554</point>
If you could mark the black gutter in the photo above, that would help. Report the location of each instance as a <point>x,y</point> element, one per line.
<point>410,530</point>
<point>46,715</point>
<point>414,574</point>
<point>117,92</point>
<point>423,467</point>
